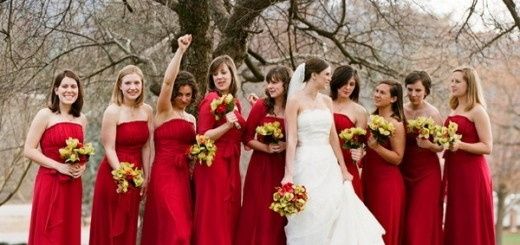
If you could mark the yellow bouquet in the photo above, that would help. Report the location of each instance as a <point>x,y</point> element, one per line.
<point>222,105</point>
<point>380,128</point>
<point>126,174</point>
<point>446,136</point>
<point>204,150</point>
<point>422,126</point>
<point>352,137</point>
<point>271,131</point>
<point>75,151</point>
<point>289,199</point>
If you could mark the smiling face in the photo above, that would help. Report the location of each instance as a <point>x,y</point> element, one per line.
<point>416,92</point>
<point>323,78</point>
<point>222,78</point>
<point>382,96</point>
<point>458,86</point>
<point>67,91</point>
<point>131,86</point>
<point>184,97</point>
<point>275,88</point>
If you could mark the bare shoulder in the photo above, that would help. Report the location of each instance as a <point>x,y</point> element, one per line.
<point>191,118</point>
<point>44,113</point>
<point>359,109</point>
<point>396,123</point>
<point>83,119</point>
<point>147,108</point>
<point>325,98</point>
<point>478,112</point>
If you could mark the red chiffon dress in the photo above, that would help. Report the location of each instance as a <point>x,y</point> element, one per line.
<point>258,224</point>
<point>422,177</point>
<point>217,188</point>
<point>114,215</point>
<point>469,211</point>
<point>343,122</point>
<point>56,207</point>
<point>384,194</point>
<point>168,215</point>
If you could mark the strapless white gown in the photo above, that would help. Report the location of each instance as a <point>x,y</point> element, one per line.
<point>333,214</point>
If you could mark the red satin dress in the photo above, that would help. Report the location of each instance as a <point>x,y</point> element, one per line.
<point>168,215</point>
<point>258,225</point>
<point>56,207</point>
<point>114,215</point>
<point>343,122</point>
<point>217,188</point>
<point>422,177</point>
<point>384,194</point>
<point>469,211</point>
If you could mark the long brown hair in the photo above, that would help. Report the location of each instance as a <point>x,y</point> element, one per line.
<point>473,91</point>
<point>282,74</point>
<point>340,77</point>
<point>396,90</point>
<point>117,94</point>
<point>215,64</point>
<point>54,100</point>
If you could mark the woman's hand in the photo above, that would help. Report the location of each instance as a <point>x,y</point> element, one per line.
<point>346,175</point>
<point>423,143</point>
<point>357,154</point>
<point>455,146</point>
<point>287,179</point>
<point>372,142</point>
<point>184,42</point>
<point>77,170</point>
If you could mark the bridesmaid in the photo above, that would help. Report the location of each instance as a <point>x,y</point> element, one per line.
<point>344,90</point>
<point>258,224</point>
<point>469,211</point>
<point>168,215</point>
<point>125,130</point>
<point>383,185</point>
<point>217,188</point>
<point>421,169</point>
<point>56,207</point>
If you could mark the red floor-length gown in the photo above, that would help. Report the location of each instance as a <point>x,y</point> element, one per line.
<point>56,207</point>
<point>259,225</point>
<point>469,211</point>
<point>422,177</point>
<point>168,215</point>
<point>114,215</point>
<point>343,122</point>
<point>384,194</point>
<point>217,188</point>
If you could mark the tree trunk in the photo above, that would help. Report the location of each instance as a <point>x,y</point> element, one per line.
<point>501,196</point>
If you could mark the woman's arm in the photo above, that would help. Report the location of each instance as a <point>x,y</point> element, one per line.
<point>148,147</point>
<point>108,134</point>
<point>31,151</point>
<point>334,142</point>
<point>397,143</point>
<point>291,131</point>
<point>483,126</point>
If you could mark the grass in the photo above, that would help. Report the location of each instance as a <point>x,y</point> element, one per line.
<point>510,238</point>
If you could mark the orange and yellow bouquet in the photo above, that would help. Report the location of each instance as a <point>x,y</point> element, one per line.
<point>74,150</point>
<point>271,131</point>
<point>289,199</point>
<point>126,174</point>
<point>203,151</point>
<point>352,137</point>
<point>380,128</point>
<point>422,126</point>
<point>446,136</point>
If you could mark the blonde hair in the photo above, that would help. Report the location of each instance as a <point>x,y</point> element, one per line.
<point>473,90</point>
<point>117,94</point>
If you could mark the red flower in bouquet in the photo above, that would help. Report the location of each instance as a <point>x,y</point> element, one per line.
<point>289,199</point>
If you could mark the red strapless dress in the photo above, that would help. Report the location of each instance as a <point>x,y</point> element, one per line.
<point>342,122</point>
<point>168,216</point>
<point>56,207</point>
<point>114,215</point>
<point>258,225</point>
<point>217,188</point>
<point>469,211</point>
<point>422,176</point>
<point>384,194</point>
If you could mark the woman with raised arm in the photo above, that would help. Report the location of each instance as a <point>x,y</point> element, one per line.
<point>333,213</point>
<point>344,91</point>
<point>217,187</point>
<point>125,131</point>
<point>421,169</point>
<point>56,206</point>
<point>258,224</point>
<point>168,215</point>
<point>469,207</point>
<point>383,185</point>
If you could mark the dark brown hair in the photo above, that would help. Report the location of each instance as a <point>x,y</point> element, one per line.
<point>54,100</point>
<point>314,65</point>
<point>340,77</point>
<point>422,76</point>
<point>396,90</point>
<point>215,64</point>
<point>282,74</point>
<point>185,78</point>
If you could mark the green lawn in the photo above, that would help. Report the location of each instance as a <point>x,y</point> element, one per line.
<point>511,238</point>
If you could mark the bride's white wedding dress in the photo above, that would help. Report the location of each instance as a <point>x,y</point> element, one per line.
<point>333,214</point>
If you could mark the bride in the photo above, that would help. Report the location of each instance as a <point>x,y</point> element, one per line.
<point>333,214</point>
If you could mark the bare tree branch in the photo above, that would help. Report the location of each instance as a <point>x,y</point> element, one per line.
<point>512,9</point>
